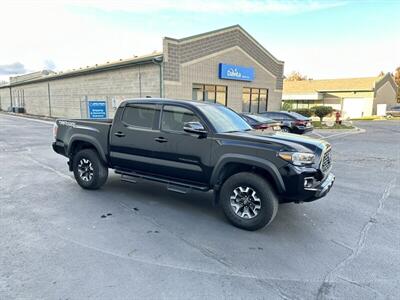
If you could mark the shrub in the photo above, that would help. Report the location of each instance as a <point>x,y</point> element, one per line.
<point>304,111</point>
<point>322,111</point>
<point>286,106</point>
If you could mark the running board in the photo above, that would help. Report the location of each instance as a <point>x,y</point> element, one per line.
<point>178,189</point>
<point>175,186</point>
<point>128,179</point>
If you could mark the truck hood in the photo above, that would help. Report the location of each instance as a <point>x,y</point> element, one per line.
<point>287,141</point>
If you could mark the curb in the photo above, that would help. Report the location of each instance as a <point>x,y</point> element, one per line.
<point>46,120</point>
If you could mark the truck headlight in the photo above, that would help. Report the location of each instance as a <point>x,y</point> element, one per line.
<point>298,158</point>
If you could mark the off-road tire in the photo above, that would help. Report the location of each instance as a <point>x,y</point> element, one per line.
<point>265,194</point>
<point>99,171</point>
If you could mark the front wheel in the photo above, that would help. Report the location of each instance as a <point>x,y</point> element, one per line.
<point>248,201</point>
<point>89,171</point>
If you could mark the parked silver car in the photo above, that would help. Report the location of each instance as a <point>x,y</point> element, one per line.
<point>394,111</point>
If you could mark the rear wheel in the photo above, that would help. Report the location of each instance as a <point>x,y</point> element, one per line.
<point>89,171</point>
<point>285,129</point>
<point>248,201</point>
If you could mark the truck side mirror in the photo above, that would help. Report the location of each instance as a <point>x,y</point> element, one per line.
<point>194,127</point>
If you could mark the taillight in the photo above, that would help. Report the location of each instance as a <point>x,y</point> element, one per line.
<point>301,123</point>
<point>261,126</point>
<point>55,129</point>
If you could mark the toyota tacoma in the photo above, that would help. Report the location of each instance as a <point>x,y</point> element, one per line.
<point>192,145</point>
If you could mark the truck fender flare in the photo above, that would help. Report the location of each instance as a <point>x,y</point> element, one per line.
<point>88,139</point>
<point>252,161</point>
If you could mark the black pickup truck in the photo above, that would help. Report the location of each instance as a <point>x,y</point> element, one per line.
<point>196,145</point>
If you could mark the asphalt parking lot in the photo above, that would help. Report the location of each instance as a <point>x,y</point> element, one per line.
<point>129,241</point>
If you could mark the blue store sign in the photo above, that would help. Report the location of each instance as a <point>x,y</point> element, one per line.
<point>233,72</point>
<point>97,109</point>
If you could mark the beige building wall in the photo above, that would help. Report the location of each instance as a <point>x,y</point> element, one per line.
<point>205,71</point>
<point>69,96</point>
<point>35,98</point>
<point>335,100</point>
<point>386,94</point>
<point>5,99</point>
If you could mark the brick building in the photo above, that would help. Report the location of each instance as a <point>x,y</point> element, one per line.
<point>227,66</point>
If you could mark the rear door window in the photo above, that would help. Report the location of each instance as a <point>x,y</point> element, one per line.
<point>298,116</point>
<point>139,115</point>
<point>275,116</point>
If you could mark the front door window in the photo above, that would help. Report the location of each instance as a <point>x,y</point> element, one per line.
<point>174,117</point>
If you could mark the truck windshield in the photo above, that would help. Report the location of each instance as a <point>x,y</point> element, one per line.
<point>224,119</point>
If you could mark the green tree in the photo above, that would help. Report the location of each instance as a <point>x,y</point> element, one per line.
<point>286,106</point>
<point>307,112</point>
<point>322,111</point>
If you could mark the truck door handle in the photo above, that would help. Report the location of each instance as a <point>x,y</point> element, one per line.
<point>119,134</point>
<point>161,139</point>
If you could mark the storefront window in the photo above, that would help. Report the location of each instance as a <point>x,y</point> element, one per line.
<point>208,92</point>
<point>255,100</point>
<point>263,100</point>
<point>246,99</point>
<point>197,92</point>
<point>221,94</point>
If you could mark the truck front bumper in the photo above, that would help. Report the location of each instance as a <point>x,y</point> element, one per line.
<point>322,188</point>
<point>304,184</point>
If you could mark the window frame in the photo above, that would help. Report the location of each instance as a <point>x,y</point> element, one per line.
<point>215,86</point>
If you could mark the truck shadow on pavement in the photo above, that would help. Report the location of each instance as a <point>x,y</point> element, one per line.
<point>154,200</point>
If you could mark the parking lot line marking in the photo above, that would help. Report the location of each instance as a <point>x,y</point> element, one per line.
<point>49,168</point>
<point>318,134</point>
<point>342,134</point>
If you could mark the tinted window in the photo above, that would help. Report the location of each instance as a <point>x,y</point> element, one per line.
<point>224,119</point>
<point>285,116</point>
<point>174,117</point>
<point>274,116</point>
<point>249,120</point>
<point>260,118</point>
<point>140,115</point>
<point>298,116</point>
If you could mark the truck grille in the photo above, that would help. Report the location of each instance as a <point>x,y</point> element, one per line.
<point>326,161</point>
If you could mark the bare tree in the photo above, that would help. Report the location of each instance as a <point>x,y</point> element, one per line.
<point>397,80</point>
<point>296,76</point>
<point>397,76</point>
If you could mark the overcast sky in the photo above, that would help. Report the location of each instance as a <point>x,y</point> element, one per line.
<point>322,39</point>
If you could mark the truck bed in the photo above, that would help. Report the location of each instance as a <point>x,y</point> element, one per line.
<point>94,131</point>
